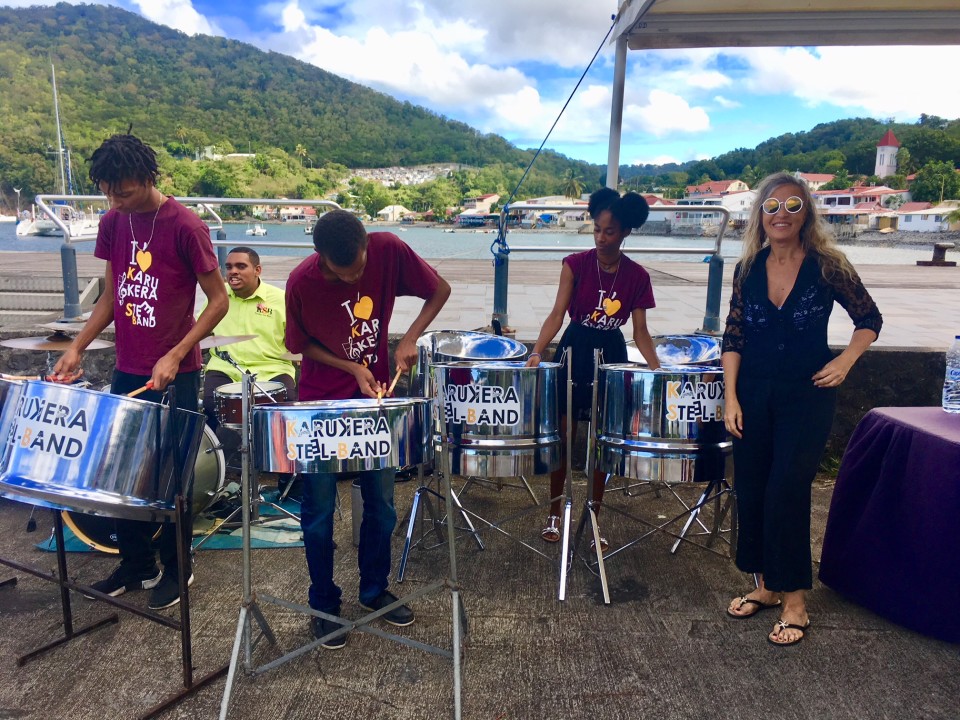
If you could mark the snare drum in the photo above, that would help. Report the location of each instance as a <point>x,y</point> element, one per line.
<point>228,400</point>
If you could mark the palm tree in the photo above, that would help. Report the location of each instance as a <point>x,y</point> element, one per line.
<point>300,152</point>
<point>572,184</point>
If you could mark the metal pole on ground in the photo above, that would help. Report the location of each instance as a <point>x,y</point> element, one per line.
<point>711,316</point>
<point>71,288</point>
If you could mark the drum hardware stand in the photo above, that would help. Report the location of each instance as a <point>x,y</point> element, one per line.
<point>589,513</point>
<point>422,496</point>
<point>252,476</point>
<point>250,609</point>
<point>61,578</point>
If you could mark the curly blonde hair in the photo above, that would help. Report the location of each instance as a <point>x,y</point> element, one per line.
<point>815,236</point>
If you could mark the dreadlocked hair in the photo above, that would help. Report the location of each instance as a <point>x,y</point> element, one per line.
<point>123,157</point>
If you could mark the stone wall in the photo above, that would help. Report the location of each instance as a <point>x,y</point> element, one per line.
<point>884,377</point>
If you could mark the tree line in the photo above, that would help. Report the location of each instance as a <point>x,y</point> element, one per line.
<point>303,127</point>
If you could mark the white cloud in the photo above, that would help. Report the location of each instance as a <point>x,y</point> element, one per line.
<point>726,103</point>
<point>898,81</point>
<point>658,160</point>
<point>292,17</point>
<point>177,14</point>
<point>664,113</point>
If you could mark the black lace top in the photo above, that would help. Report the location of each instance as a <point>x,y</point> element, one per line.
<point>791,342</point>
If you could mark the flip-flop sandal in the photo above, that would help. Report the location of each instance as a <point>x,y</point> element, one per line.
<point>781,626</point>
<point>750,601</point>
<point>604,545</point>
<point>551,533</point>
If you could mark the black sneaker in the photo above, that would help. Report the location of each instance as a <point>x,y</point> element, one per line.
<point>167,592</point>
<point>123,579</point>
<point>400,616</point>
<point>321,627</point>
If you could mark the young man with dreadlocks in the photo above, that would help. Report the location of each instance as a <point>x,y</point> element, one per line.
<point>156,251</point>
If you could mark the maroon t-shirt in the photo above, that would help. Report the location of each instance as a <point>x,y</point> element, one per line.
<point>154,281</point>
<point>351,321</point>
<point>605,301</point>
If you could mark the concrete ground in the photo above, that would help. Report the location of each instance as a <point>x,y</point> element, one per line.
<point>663,648</point>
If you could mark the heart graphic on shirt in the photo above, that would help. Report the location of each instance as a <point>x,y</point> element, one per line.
<point>610,307</point>
<point>144,259</point>
<point>364,308</point>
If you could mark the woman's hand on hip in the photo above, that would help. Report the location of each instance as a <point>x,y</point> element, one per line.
<point>832,374</point>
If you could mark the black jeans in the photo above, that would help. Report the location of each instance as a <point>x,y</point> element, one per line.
<point>785,429</point>
<point>135,538</point>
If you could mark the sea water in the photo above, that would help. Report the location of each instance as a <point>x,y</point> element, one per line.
<point>439,243</point>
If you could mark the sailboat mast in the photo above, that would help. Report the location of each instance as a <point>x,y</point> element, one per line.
<point>60,153</point>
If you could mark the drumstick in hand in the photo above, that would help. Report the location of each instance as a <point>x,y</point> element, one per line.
<point>394,383</point>
<point>148,386</point>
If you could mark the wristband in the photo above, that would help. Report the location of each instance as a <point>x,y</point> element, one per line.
<point>533,355</point>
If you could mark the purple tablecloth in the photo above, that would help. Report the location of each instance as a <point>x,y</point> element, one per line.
<point>892,542</point>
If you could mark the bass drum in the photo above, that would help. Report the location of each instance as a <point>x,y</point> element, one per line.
<point>209,471</point>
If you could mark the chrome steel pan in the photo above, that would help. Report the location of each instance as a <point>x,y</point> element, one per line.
<point>76,449</point>
<point>701,350</point>
<point>664,425</point>
<point>456,345</point>
<point>501,417</point>
<point>338,436</point>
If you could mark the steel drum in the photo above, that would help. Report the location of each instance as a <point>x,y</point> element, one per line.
<point>680,350</point>
<point>228,400</point>
<point>339,436</point>
<point>501,417</point>
<point>209,473</point>
<point>457,345</point>
<point>663,425</point>
<point>76,449</point>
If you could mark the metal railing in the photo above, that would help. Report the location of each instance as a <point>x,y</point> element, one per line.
<point>711,315</point>
<point>68,254</point>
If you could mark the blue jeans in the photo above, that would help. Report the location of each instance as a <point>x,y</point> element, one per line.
<point>373,558</point>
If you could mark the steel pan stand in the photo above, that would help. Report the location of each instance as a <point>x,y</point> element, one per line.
<point>590,507</point>
<point>62,578</point>
<point>250,609</point>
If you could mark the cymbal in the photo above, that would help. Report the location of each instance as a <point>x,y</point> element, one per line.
<point>212,341</point>
<point>292,357</point>
<point>63,327</point>
<point>58,342</point>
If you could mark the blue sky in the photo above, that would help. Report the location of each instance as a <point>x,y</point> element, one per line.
<point>507,67</point>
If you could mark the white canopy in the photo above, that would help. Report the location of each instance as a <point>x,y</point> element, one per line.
<point>663,24</point>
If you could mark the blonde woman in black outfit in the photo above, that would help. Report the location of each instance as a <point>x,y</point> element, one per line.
<point>781,382</point>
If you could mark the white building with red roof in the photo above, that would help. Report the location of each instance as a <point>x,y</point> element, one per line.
<point>814,181</point>
<point>716,187</point>
<point>887,155</point>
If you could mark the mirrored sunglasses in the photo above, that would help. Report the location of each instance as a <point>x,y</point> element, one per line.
<point>792,205</point>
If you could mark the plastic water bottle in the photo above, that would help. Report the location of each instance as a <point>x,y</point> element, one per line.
<point>951,382</point>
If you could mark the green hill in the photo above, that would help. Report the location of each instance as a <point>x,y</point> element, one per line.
<point>116,69</point>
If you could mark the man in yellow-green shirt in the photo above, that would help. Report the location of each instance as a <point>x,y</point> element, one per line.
<point>256,308</point>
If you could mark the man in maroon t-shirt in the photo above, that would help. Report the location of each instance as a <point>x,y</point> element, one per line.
<point>339,304</point>
<point>156,251</point>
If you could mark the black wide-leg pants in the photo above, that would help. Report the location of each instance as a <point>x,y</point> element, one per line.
<point>786,424</point>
